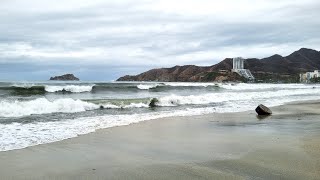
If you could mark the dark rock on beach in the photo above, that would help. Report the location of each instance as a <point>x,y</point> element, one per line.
<point>66,77</point>
<point>263,110</point>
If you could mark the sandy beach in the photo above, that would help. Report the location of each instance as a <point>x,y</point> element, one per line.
<point>159,90</point>
<point>285,145</point>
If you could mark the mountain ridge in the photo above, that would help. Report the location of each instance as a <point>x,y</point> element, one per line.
<point>273,67</point>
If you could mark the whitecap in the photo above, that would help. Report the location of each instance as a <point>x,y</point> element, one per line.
<point>147,86</point>
<point>70,88</point>
<point>43,106</point>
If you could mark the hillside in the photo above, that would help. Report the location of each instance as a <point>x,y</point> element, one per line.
<point>270,69</point>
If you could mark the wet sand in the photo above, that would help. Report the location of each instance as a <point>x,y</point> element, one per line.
<point>285,145</point>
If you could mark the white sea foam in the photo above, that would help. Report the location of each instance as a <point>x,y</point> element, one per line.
<point>24,85</point>
<point>147,86</point>
<point>56,88</point>
<point>17,135</point>
<point>137,105</point>
<point>231,86</point>
<point>243,97</point>
<point>131,105</point>
<point>244,86</point>
<point>70,88</point>
<point>109,106</point>
<point>43,106</point>
<point>174,84</point>
<point>189,84</point>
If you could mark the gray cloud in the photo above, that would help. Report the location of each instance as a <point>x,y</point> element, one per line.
<point>129,36</point>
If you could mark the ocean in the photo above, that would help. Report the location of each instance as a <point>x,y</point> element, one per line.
<point>33,113</point>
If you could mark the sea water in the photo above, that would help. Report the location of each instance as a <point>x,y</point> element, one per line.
<point>33,113</point>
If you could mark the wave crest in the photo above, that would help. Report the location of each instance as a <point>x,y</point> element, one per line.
<point>147,86</point>
<point>69,88</point>
<point>43,106</point>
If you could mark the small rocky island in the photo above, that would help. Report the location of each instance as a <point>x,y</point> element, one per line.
<point>66,77</point>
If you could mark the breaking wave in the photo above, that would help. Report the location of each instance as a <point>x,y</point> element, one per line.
<point>69,88</point>
<point>43,106</point>
<point>42,89</point>
<point>131,105</point>
<point>28,90</point>
<point>147,86</point>
<point>39,89</point>
<point>275,97</point>
<point>66,105</point>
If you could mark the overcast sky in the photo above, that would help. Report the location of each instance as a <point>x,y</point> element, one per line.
<point>105,39</point>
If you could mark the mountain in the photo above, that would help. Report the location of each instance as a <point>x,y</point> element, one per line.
<point>65,77</point>
<point>270,69</point>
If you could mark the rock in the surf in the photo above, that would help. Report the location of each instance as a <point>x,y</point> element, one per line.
<point>153,102</point>
<point>263,110</point>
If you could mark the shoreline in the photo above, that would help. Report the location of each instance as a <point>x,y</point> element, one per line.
<point>180,116</point>
<point>219,145</point>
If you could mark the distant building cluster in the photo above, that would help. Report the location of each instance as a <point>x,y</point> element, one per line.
<point>306,77</point>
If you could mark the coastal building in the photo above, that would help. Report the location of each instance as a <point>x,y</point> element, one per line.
<point>305,77</point>
<point>238,63</point>
<point>238,67</point>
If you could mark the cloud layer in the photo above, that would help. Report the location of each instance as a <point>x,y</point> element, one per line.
<point>101,39</point>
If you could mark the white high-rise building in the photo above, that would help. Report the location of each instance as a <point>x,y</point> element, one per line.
<point>238,67</point>
<point>238,63</point>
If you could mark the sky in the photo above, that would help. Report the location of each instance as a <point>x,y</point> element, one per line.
<point>105,39</point>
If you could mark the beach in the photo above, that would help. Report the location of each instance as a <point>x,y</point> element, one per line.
<point>159,90</point>
<point>237,145</point>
